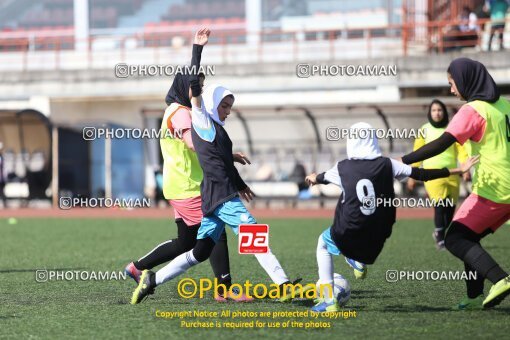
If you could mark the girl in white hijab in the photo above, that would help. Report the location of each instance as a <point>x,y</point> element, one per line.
<point>363,148</point>
<point>362,224</point>
<point>220,190</point>
<point>216,102</point>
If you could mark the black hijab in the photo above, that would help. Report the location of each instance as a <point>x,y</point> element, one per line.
<point>473,80</point>
<point>443,122</point>
<point>179,91</point>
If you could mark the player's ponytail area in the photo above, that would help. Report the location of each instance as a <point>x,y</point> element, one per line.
<point>411,288</point>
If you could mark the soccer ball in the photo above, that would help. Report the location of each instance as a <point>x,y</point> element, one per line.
<point>341,289</point>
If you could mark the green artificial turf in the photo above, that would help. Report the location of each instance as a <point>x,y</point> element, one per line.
<point>101,309</point>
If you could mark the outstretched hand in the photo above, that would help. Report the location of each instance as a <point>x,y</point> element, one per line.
<point>202,36</point>
<point>311,179</point>
<point>469,163</point>
<point>246,194</point>
<point>240,157</point>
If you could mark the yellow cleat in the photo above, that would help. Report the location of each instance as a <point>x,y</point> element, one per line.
<point>360,269</point>
<point>498,292</point>
<point>144,288</point>
<point>323,306</point>
<point>291,291</point>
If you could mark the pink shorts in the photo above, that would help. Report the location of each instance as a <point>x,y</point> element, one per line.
<point>479,214</point>
<point>189,209</point>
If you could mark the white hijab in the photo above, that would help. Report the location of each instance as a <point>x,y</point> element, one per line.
<point>363,148</point>
<point>211,98</point>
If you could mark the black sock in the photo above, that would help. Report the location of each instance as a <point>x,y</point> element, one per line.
<point>440,221</point>
<point>220,262</point>
<point>474,286</point>
<point>484,264</point>
<point>449,212</point>
<point>439,218</point>
<point>167,251</point>
<point>443,216</point>
<point>464,244</point>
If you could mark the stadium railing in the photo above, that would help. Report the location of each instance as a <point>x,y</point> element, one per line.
<point>231,44</point>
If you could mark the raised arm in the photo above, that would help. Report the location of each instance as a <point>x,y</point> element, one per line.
<point>200,120</point>
<point>201,39</point>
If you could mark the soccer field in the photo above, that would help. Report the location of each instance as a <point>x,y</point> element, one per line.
<point>101,309</point>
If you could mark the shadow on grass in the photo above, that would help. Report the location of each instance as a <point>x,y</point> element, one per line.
<point>5,317</point>
<point>369,294</point>
<point>415,309</point>
<point>427,309</point>
<point>303,303</point>
<point>310,304</point>
<point>501,310</point>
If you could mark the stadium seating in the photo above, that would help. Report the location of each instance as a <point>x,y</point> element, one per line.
<point>52,13</point>
<point>106,13</point>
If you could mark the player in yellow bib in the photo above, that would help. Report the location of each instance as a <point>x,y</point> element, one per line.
<point>182,176</point>
<point>444,192</point>
<point>485,121</point>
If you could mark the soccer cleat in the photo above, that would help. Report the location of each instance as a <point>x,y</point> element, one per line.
<point>498,292</point>
<point>144,287</point>
<point>470,304</point>
<point>133,272</point>
<point>360,269</point>
<point>323,305</point>
<point>236,296</point>
<point>439,239</point>
<point>287,292</point>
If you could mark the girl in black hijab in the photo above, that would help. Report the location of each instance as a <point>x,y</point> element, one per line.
<point>444,192</point>
<point>469,81</point>
<point>180,93</point>
<point>472,81</point>
<point>485,121</point>
<point>443,121</point>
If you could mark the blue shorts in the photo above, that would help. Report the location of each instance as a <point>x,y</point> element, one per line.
<point>233,213</point>
<point>330,244</point>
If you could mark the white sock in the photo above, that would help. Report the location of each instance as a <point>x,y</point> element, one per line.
<point>176,267</point>
<point>325,263</point>
<point>272,267</point>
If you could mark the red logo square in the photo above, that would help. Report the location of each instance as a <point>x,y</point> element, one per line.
<point>253,238</point>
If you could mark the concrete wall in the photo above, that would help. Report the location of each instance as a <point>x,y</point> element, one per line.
<point>79,98</point>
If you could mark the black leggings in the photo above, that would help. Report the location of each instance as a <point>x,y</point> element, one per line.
<point>204,249</point>
<point>465,244</point>
<point>185,241</point>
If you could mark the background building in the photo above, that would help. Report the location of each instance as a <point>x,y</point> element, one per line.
<point>58,59</point>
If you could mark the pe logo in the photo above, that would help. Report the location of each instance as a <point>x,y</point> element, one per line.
<point>253,238</point>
